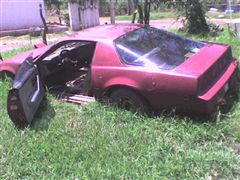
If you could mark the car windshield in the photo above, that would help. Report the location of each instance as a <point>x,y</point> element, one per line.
<point>153,47</point>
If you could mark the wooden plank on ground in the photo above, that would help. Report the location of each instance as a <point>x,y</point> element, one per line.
<point>78,99</point>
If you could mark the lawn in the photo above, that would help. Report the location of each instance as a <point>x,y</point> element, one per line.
<point>96,141</point>
<point>153,16</point>
<point>14,52</point>
<point>172,14</point>
<point>225,16</point>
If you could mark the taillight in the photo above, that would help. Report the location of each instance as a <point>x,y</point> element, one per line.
<point>211,76</point>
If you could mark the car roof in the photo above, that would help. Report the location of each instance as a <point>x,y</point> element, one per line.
<point>104,33</point>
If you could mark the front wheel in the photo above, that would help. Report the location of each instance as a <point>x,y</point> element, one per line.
<point>6,75</point>
<point>129,100</point>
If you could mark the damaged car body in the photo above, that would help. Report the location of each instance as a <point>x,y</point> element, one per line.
<point>137,67</point>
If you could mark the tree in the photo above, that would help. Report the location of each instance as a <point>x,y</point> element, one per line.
<point>130,5</point>
<point>45,28</point>
<point>57,4</point>
<point>103,7</point>
<point>192,10</point>
<point>112,11</point>
<point>147,9</point>
<point>143,11</point>
<point>195,16</point>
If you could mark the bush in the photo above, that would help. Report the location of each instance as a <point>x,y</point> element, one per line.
<point>195,16</point>
<point>193,11</point>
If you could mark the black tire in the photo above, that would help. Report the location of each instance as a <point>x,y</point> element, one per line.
<point>129,100</point>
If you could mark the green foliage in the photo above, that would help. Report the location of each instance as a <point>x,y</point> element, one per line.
<point>101,142</point>
<point>154,16</point>
<point>66,17</point>
<point>56,3</point>
<point>195,16</point>
<point>223,37</point>
<point>192,10</point>
<point>8,54</point>
<point>225,16</point>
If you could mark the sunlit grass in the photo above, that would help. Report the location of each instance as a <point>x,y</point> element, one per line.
<point>223,15</point>
<point>226,37</point>
<point>14,52</point>
<point>153,16</point>
<point>172,14</point>
<point>97,141</point>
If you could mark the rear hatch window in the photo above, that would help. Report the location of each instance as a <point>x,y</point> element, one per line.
<point>149,46</point>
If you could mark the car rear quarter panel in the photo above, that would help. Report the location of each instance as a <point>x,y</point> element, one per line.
<point>160,88</point>
<point>108,71</point>
<point>169,89</point>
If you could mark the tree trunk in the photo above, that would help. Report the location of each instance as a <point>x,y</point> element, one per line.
<point>59,14</point>
<point>140,14</point>
<point>130,7</point>
<point>134,16</point>
<point>147,8</point>
<point>45,28</point>
<point>135,3</point>
<point>112,11</point>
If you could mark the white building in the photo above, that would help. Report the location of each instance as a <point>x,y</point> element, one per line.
<point>83,14</point>
<point>20,14</point>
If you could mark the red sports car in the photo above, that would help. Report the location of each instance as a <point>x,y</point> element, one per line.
<point>138,67</point>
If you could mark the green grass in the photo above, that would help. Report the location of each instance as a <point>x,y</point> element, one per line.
<point>225,37</point>
<point>96,141</point>
<point>226,16</point>
<point>8,54</point>
<point>153,16</point>
<point>172,14</point>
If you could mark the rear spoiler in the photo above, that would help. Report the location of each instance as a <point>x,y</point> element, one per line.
<point>39,45</point>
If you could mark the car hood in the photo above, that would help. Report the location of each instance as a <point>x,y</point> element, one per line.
<point>18,59</point>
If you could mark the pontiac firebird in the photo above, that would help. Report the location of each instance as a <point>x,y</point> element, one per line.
<point>137,67</point>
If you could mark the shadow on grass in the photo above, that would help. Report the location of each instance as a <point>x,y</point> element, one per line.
<point>43,116</point>
<point>223,111</point>
<point>46,112</point>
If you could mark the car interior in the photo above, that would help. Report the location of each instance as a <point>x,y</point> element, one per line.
<point>67,68</point>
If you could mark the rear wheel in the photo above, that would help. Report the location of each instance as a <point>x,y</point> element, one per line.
<point>129,100</point>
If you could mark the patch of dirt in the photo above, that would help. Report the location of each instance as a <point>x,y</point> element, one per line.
<point>8,43</point>
<point>167,23</point>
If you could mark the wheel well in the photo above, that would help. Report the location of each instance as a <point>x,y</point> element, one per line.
<point>7,73</point>
<point>113,88</point>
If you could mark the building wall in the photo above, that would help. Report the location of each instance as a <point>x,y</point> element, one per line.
<point>19,14</point>
<point>83,15</point>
